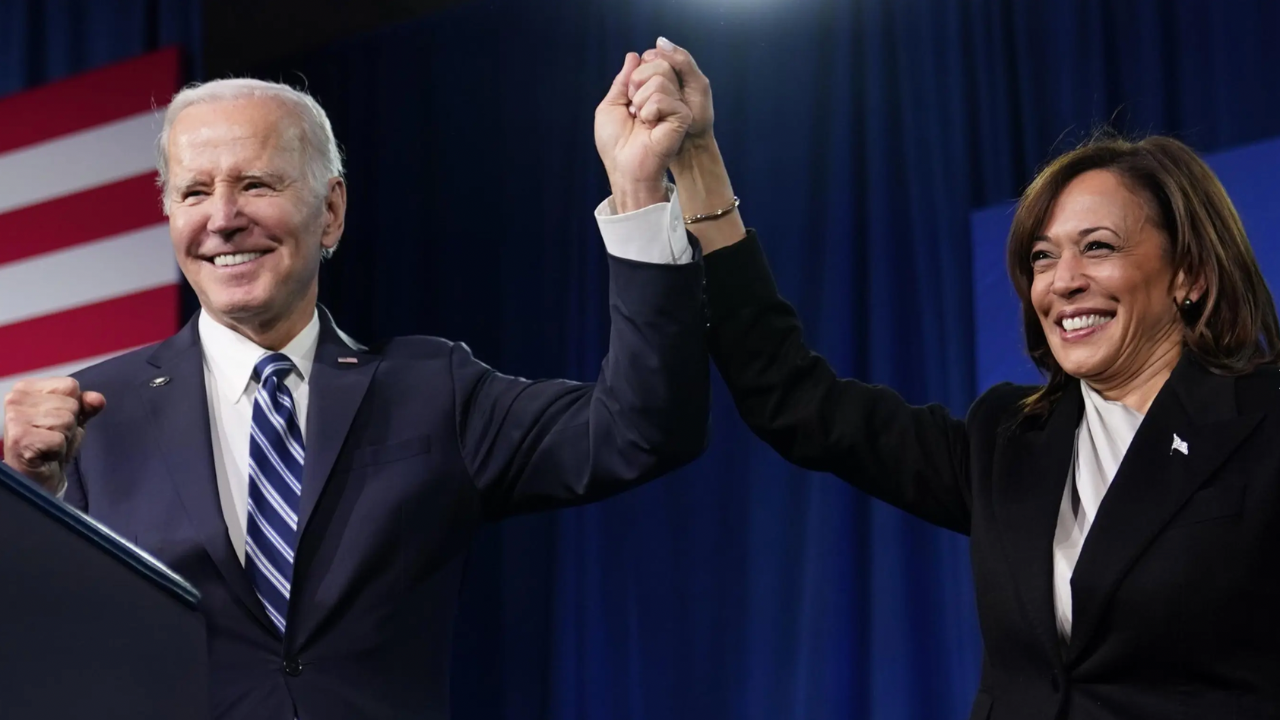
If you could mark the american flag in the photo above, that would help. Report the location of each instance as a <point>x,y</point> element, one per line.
<point>86,266</point>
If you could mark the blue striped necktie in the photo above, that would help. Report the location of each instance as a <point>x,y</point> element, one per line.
<point>276,453</point>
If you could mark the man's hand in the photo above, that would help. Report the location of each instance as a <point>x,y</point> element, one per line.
<point>43,425</point>
<point>638,141</point>
<point>674,63</point>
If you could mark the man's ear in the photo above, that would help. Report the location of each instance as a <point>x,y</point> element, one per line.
<point>335,213</point>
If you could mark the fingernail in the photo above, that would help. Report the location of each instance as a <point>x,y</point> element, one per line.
<point>632,110</point>
<point>665,45</point>
<point>649,55</point>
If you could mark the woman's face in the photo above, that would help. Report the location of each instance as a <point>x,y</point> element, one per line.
<point>1102,283</point>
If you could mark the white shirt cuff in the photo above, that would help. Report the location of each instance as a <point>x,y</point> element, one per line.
<point>654,234</point>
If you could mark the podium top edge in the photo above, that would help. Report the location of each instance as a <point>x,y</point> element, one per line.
<point>100,536</point>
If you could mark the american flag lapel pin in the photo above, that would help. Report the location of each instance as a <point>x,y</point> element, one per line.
<point>349,360</point>
<point>1178,444</point>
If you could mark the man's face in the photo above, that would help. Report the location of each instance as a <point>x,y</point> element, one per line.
<point>247,225</point>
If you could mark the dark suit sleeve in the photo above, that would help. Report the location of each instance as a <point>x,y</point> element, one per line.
<point>533,445</point>
<point>915,458</point>
<point>75,495</point>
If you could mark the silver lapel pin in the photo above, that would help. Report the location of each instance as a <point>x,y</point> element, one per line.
<point>163,379</point>
<point>1179,444</point>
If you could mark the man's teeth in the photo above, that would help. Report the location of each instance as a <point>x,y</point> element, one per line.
<point>236,258</point>
<point>1081,322</point>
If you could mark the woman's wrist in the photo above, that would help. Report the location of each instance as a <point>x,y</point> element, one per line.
<point>700,174</point>
<point>704,187</point>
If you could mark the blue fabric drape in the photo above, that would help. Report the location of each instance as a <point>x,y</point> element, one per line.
<point>860,134</point>
<point>46,40</point>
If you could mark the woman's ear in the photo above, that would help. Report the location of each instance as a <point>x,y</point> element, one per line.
<point>1188,293</point>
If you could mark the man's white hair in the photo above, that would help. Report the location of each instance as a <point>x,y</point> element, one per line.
<point>321,158</point>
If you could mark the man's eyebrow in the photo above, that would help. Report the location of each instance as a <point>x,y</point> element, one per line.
<point>261,175</point>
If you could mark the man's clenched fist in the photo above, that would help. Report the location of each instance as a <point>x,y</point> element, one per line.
<point>44,423</point>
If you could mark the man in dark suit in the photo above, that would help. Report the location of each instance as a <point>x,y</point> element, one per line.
<point>320,494</point>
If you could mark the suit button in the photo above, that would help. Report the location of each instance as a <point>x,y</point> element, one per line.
<point>292,667</point>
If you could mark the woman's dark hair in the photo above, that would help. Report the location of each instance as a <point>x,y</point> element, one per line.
<point>1232,328</point>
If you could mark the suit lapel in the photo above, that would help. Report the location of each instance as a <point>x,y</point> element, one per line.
<point>1153,481</point>
<point>339,378</point>
<point>1028,484</point>
<point>179,410</point>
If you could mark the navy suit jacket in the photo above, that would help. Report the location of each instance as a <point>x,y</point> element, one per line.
<point>408,450</point>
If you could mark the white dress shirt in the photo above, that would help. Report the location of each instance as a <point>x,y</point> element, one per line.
<point>1104,435</point>
<point>654,234</point>
<point>229,358</point>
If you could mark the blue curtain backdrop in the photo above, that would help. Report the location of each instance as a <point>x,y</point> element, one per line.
<point>46,40</point>
<point>860,133</point>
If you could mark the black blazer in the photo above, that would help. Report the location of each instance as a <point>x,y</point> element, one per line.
<point>1176,597</point>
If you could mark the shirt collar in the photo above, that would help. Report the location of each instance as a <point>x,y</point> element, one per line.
<point>231,356</point>
<point>1109,408</point>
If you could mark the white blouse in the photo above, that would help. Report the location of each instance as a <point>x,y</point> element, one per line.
<point>1104,435</point>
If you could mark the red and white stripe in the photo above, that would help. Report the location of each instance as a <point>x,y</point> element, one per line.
<point>86,266</point>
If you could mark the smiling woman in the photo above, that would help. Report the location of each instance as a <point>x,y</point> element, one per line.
<point>1120,571</point>
<point>1145,235</point>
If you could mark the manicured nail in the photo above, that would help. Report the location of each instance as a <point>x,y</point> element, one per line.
<point>665,45</point>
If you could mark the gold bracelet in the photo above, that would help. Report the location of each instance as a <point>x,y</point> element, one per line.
<point>691,219</point>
